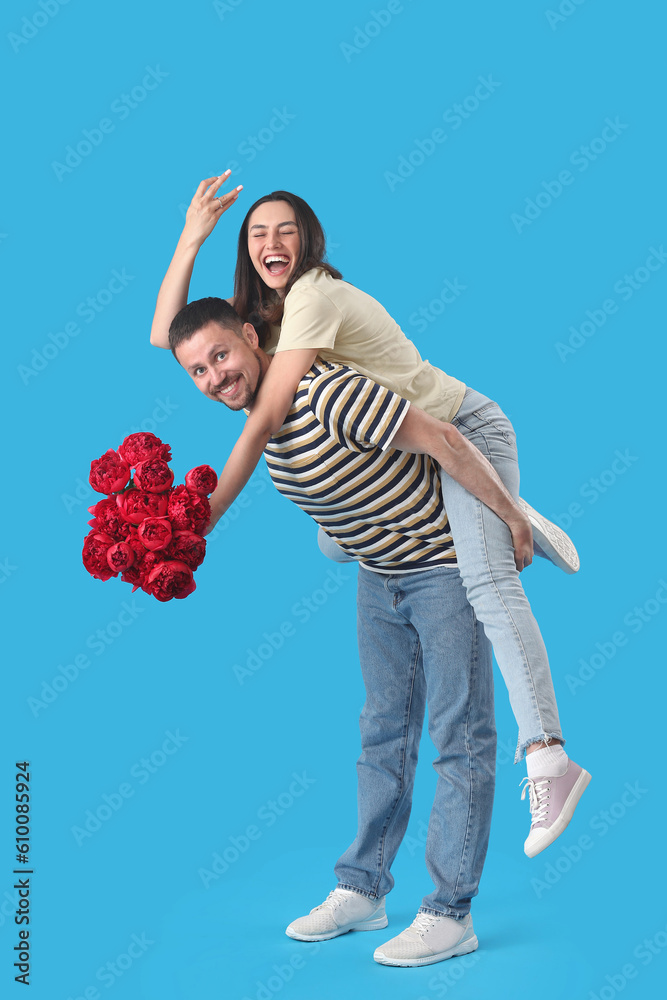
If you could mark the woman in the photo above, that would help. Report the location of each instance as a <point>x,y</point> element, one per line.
<point>301,308</point>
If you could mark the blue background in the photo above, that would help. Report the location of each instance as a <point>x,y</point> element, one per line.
<point>570,923</point>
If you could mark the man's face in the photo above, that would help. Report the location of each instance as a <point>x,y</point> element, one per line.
<point>226,367</point>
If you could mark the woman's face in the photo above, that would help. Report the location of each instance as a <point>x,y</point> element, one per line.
<point>273,243</point>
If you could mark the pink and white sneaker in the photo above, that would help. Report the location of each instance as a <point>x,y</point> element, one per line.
<point>552,805</point>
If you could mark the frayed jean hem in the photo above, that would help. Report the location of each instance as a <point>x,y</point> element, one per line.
<point>521,747</point>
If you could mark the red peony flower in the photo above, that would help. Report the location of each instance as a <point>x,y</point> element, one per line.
<point>187,547</point>
<point>170,579</point>
<point>144,561</point>
<point>150,532</point>
<point>202,509</point>
<point>188,511</point>
<point>153,475</point>
<point>109,474</point>
<point>95,547</point>
<point>120,557</point>
<point>107,517</point>
<point>201,480</point>
<point>155,532</point>
<point>141,447</point>
<point>180,509</point>
<point>135,505</point>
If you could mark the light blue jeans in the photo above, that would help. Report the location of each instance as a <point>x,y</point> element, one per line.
<point>486,560</point>
<point>419,640</point>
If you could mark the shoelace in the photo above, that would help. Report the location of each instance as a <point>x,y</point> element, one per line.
<point>333,900</point>
<point>422,922</point>
<point>538,797</point>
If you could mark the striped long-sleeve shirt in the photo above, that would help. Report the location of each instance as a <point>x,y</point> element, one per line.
<point>333,458</point>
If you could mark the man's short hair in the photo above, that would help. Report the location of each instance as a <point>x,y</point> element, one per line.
<point>198,314</point>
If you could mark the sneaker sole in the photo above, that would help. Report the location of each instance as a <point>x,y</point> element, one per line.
<point>464,948</point>
<point>566,815</point>
<point>553,541</point>
<point>372,924</point>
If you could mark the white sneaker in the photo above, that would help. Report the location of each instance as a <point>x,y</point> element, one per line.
<point>428,939</point>
<point>342,911</point>
<point>552,540</point>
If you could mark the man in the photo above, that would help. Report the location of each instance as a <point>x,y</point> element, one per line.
<point>345,456</point>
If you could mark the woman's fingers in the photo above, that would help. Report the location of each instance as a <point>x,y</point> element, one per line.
<point>223,201</point>
<point>201,187</point>
<point>216,184</point>
<point>206,207</point>
<point>219,181</point>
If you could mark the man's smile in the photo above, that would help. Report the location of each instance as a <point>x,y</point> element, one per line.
<point>229,388</point>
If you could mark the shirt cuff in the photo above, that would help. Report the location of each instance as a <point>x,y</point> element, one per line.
<point>399,418</point>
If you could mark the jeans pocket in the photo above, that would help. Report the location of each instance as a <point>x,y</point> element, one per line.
<point>490,419</point>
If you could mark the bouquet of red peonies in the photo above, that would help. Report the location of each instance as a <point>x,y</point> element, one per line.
<point>147,530</point>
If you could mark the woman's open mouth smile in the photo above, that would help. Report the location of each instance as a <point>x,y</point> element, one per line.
<point>276,264</point>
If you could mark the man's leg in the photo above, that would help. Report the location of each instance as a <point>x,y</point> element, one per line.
<point>458,674</point>
<point>391,724</point>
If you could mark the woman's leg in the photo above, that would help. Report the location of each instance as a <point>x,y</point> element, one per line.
<point>331,549</point>
<point>486,562</point>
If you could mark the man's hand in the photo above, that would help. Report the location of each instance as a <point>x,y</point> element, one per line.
<point>215,517</point>
<point>422,434</point>
<point>206,208</point>
<point>522,540</point>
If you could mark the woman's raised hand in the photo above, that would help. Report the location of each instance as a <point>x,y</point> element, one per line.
<point>206,208</point>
